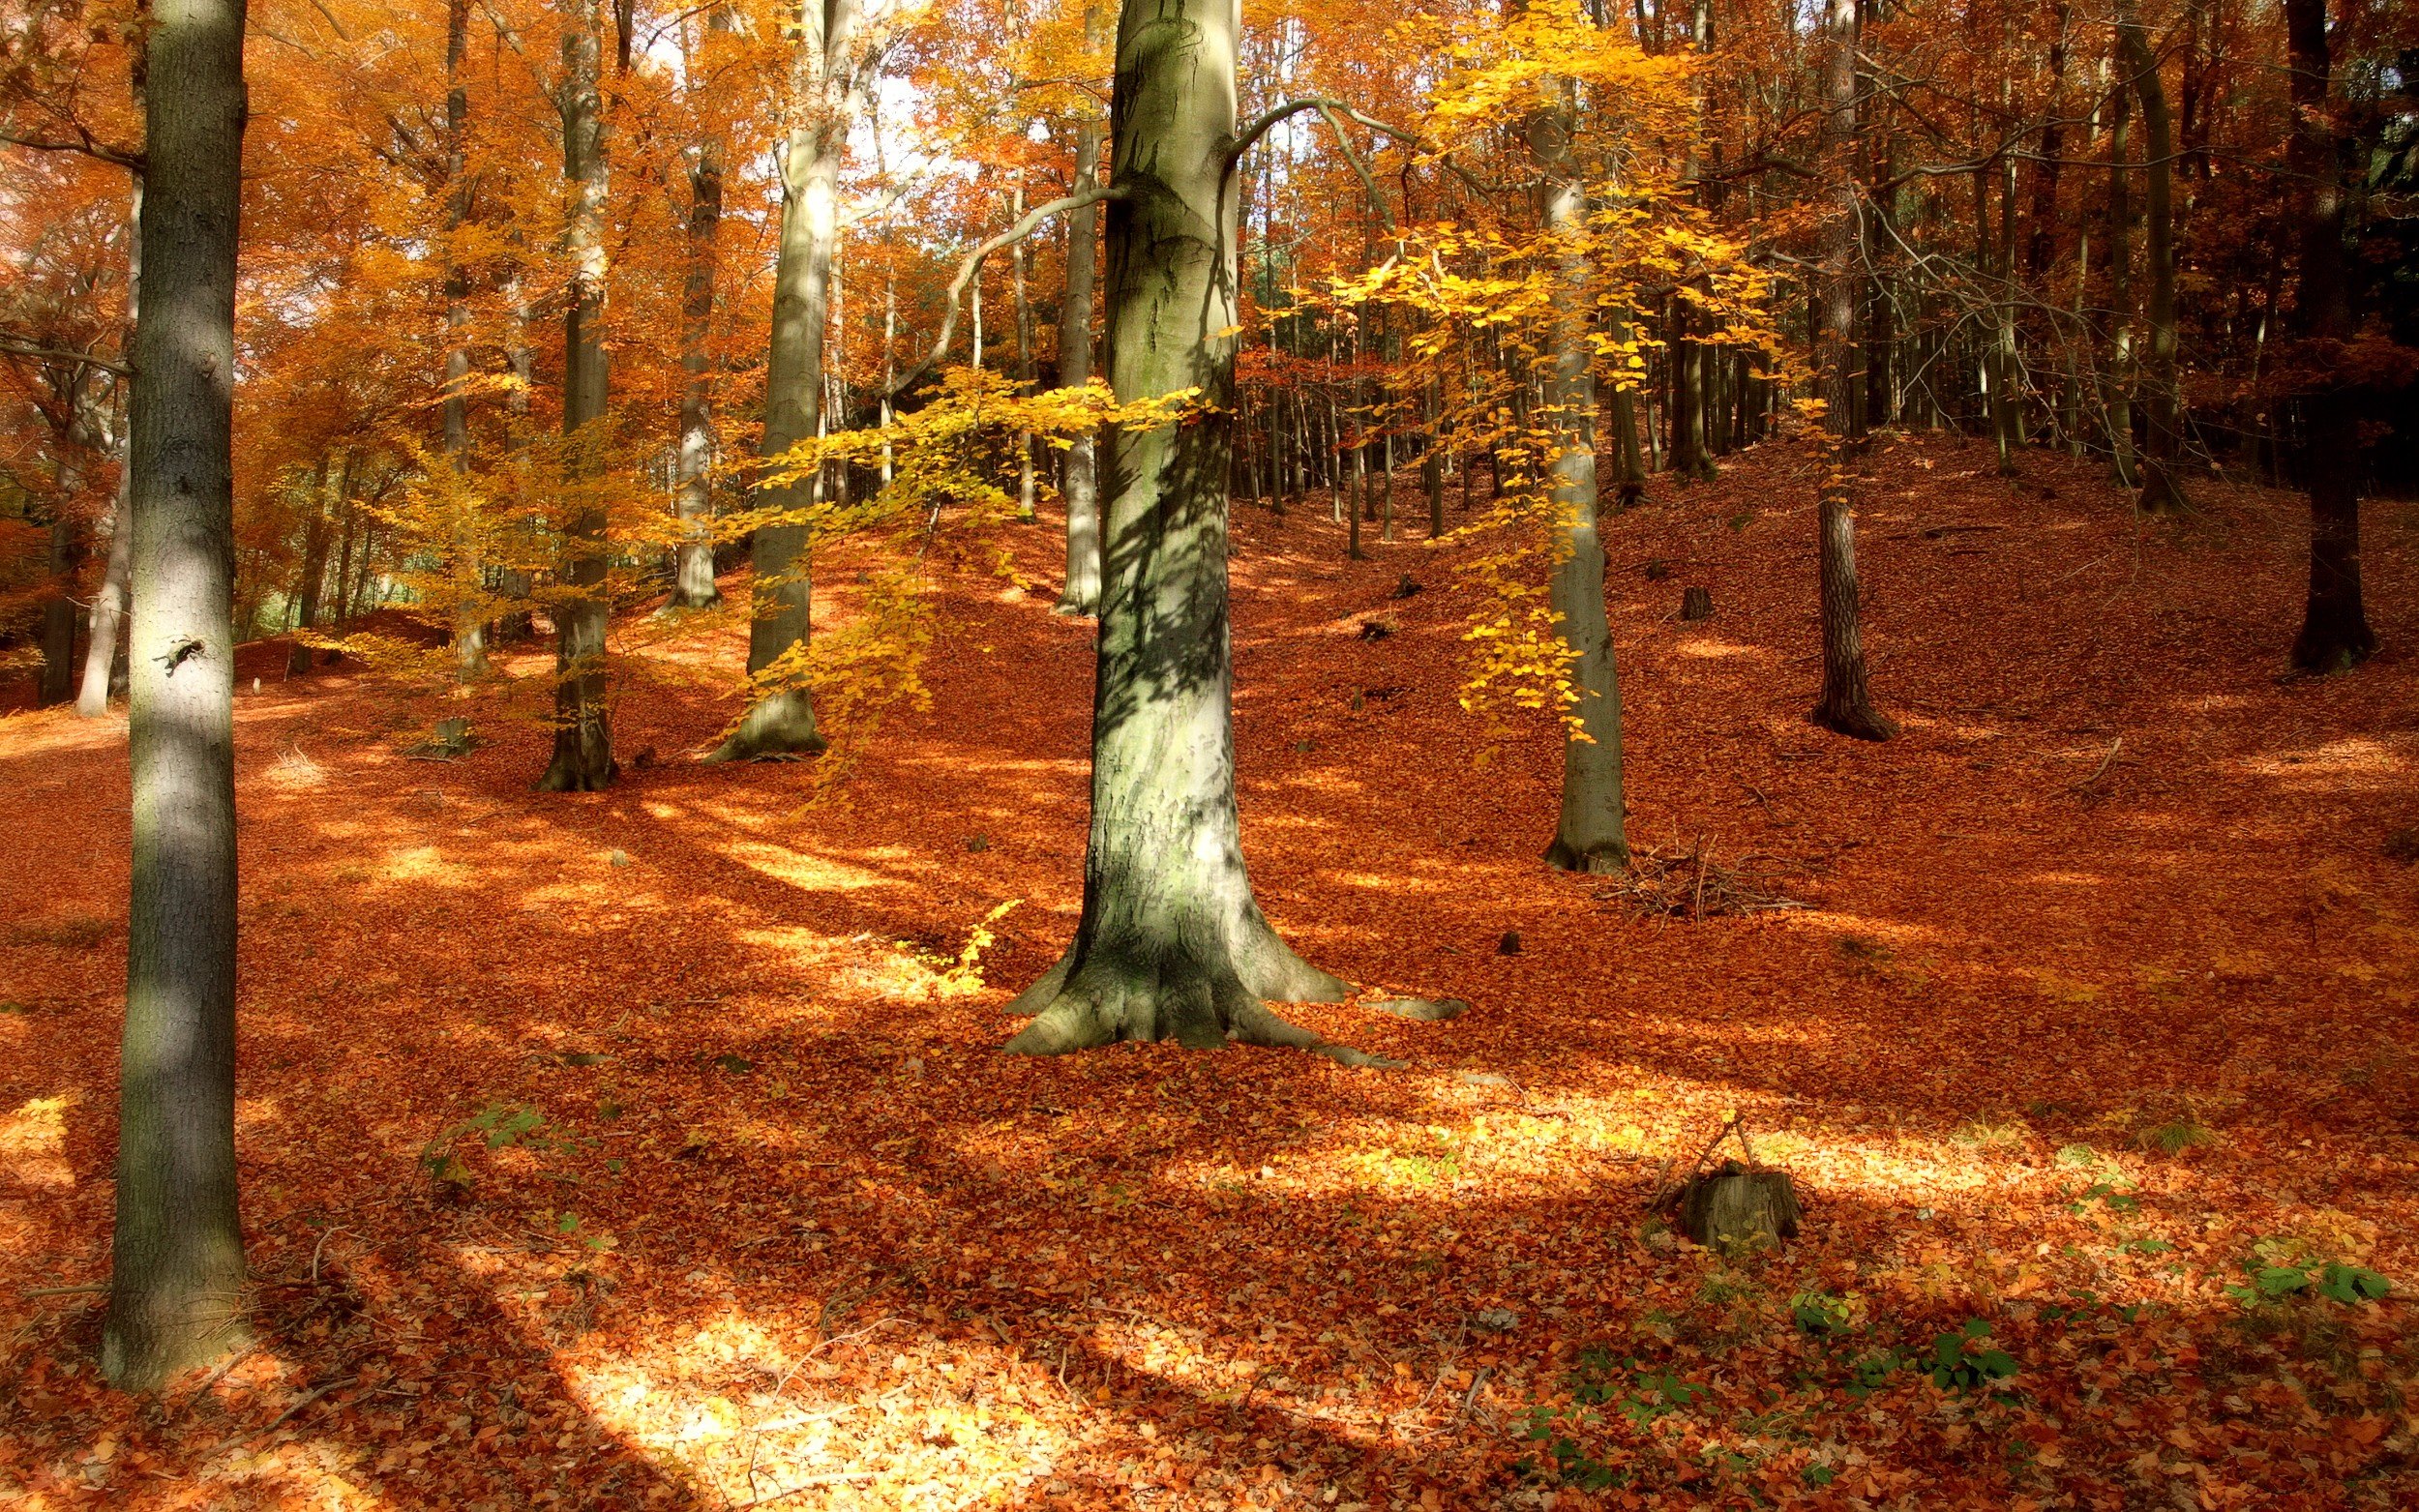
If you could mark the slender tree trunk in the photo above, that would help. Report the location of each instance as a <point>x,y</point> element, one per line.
<point>110,603</point>
<point>1025,480</point>
<point>2335,633</point>
<point>2120,382</point>
<point>2161,491</point>
<point>177,1252</point>
<point>781,722</point>
<point>108,610</point>
<point>1082,489</point>
<point>692,586</point>
<point>513,583</point>
<point>1590,835</point>
<point>1847,704</point>
<point>583,739</point>
<point>56,680</point>
<point>1170,945</point>
<point>314,570</point>
<point>470,605</point>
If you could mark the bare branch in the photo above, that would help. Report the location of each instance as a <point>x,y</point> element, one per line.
<point>85,143</point>
<point>16,349</point>
<point>1024,227</point>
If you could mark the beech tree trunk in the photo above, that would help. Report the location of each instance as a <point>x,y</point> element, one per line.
<point>2120,381</point>
<point>109,608</point>
<point>2335,633</point>
<point>1846,704</point>
<point>470,607</point>
<point>1170,945</point>
<point>1082,486</point>
<point>583,739</point>
<point>1589,834</point>
<point>2161,491</point>
<point>177,1250</point>
<point>315,567</point>
<point>781,722</point>
<point>692,586</point>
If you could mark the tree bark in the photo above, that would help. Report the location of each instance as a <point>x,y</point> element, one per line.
<point>781,722</point>
<point>108,610</point>
<point>177,1250</point>
<point>1846,704</point>
<point>1170,945</point>
<point>471,606</point>
<point>584,740</point>
<point>2161,491</point>
<point>315,569</point>
<point>1082,487</point>
<point>2120,378</point>
<point>692,586</point>
<point>2335,634</point>
<point>1589,834</point>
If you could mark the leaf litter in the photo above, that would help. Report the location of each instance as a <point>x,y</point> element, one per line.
<point>649,1148</point>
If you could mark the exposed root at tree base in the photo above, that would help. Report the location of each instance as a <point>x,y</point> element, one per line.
<point>1197,1006</point>
<point>1859,723</point>
<point>1596,860</point>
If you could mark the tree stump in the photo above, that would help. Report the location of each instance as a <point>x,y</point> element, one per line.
<point>1735,1209</point>
<point>450,741</point>
<point>1696,604</point>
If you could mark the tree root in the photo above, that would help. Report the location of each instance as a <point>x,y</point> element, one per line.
<point>1599,860</point>
<point>780,727</point>
<point>1856,722</point>
<point>1198,1006</point>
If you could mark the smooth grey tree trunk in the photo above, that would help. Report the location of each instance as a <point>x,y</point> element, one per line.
<point>470,612</point>
<point>2120,381</point>
<point>108,610</point>
<point>583,738</point>
<point>177,1250</point>
<point>693,584</point>
<point>1589,834</point>
<point>1082,593</point>
<point>1846,704</point>
<point>110,602</point>
<point>782,722</point>
<point>1170,945</point>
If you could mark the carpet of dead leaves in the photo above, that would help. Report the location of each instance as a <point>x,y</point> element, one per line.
<point>650,1149</point>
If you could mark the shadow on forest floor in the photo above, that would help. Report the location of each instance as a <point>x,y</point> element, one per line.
<point>2102,988</point>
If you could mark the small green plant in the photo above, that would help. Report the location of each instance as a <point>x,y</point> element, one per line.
<point>1819,1313</point>
<point>2177,1137</point>
<point>499,1125</point>
<point>1872,1373</point>
<point>1641,1394</point>
<point>2348,1286</point>
<point>2108,1196</point>
<point>1965,1360</point>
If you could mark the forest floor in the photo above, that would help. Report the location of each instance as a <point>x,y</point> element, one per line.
<point>653,1148</point>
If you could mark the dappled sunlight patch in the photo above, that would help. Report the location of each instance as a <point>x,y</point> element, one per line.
<point>33,1142</point>
<point>2360,763</point>
<point>424,865</point>
<point>804,868</point>
<point>1705,648</point>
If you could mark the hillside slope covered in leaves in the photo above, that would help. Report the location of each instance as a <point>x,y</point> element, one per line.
<point>650,1148</point>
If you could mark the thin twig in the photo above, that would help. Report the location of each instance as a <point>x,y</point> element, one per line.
<point>2096,772</point>
<point>216,1375</point>
<point>321,1245</point>
<point>296,1405</point>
